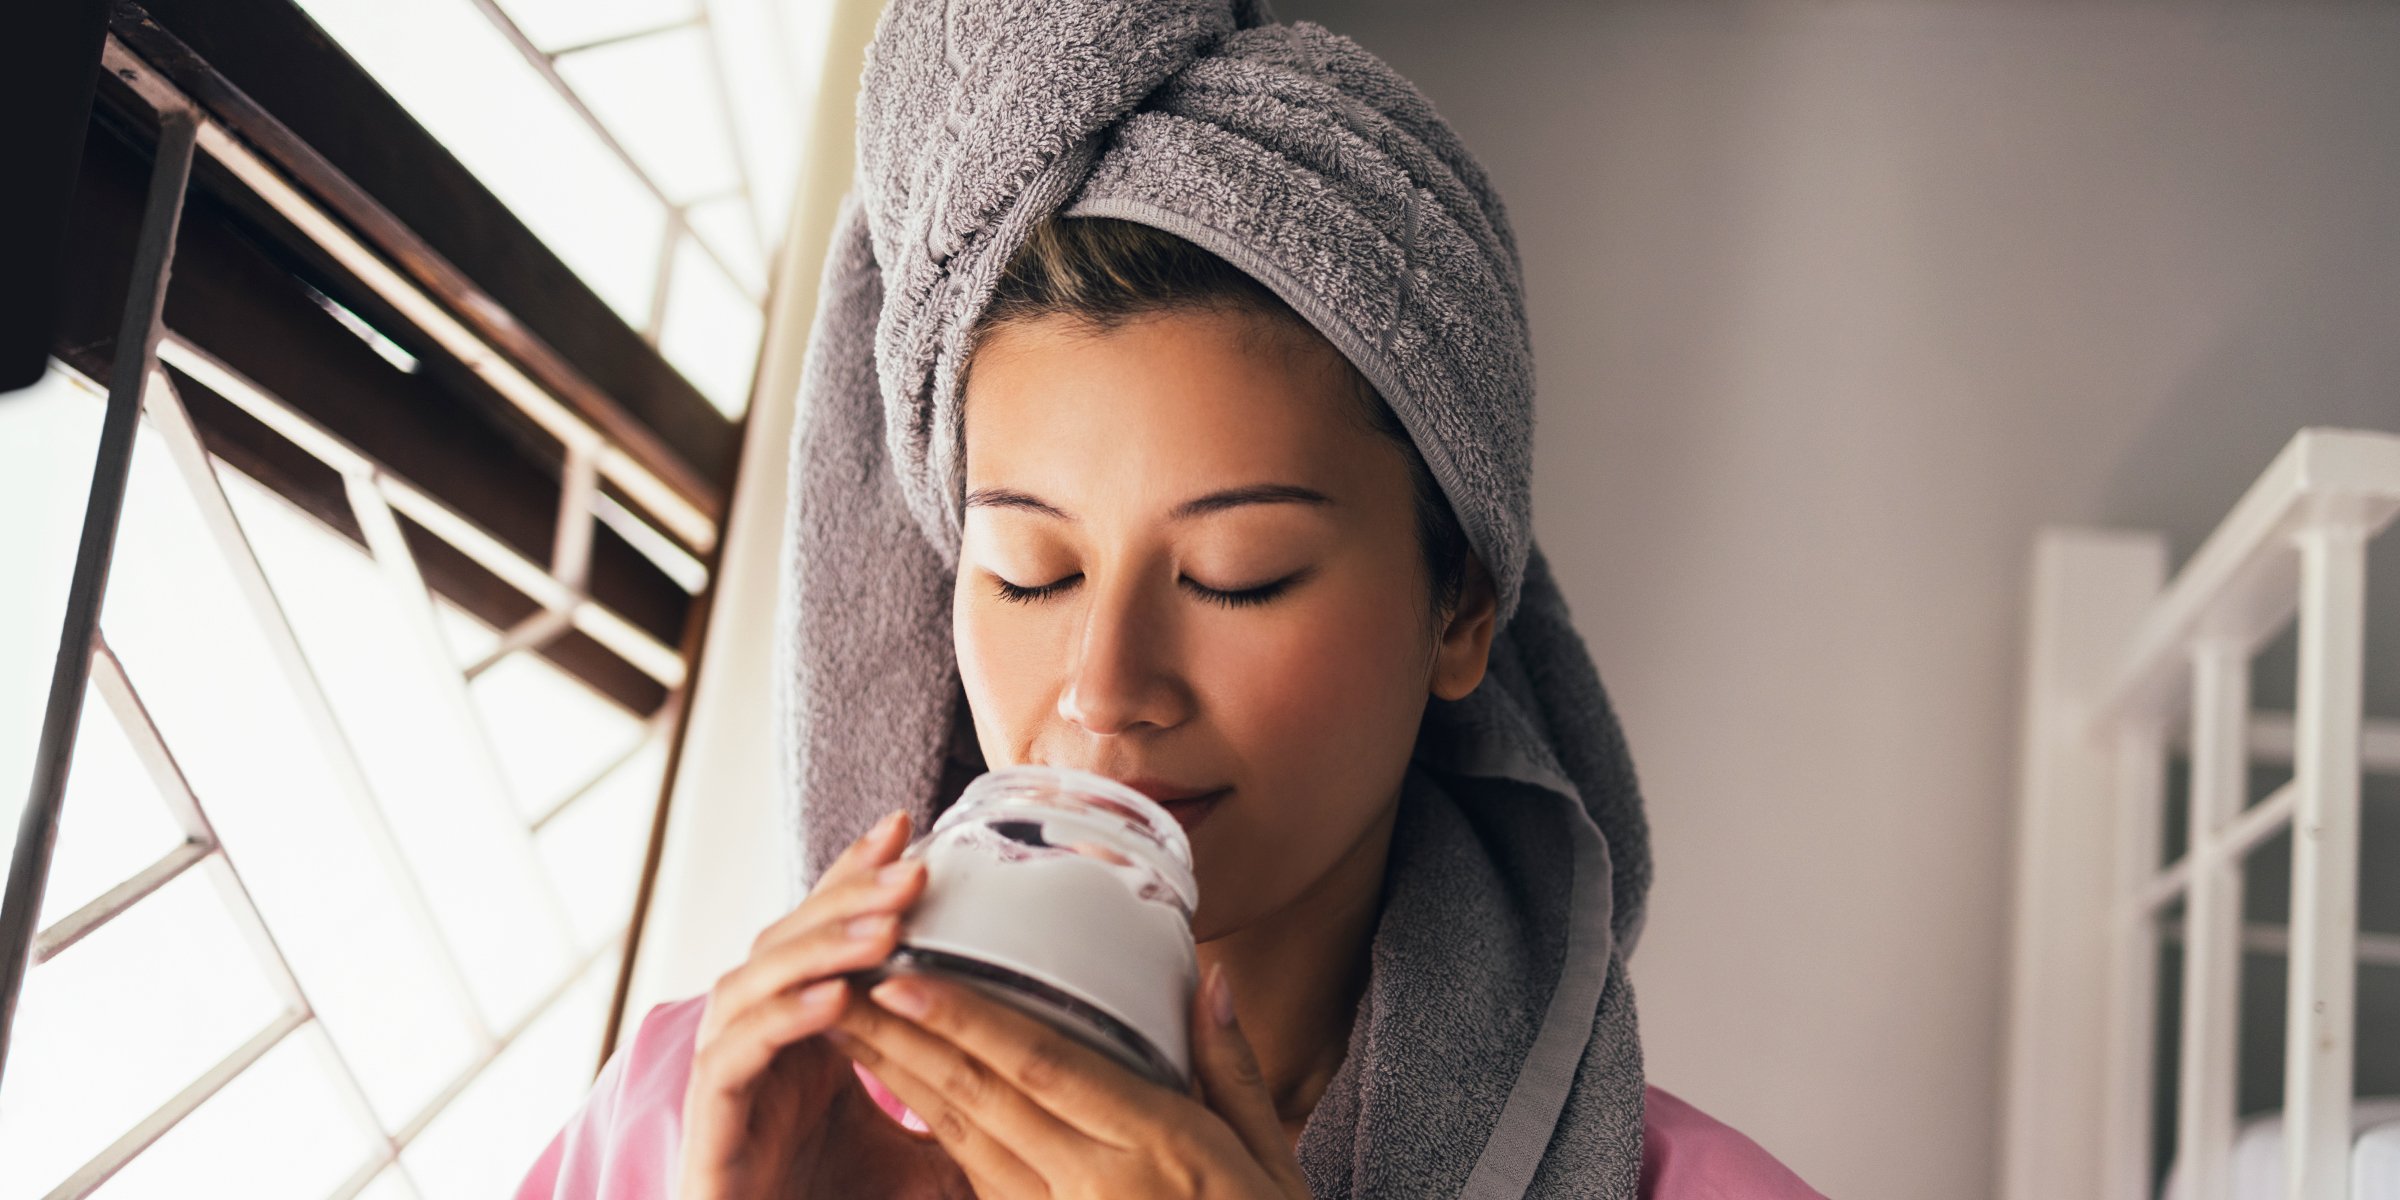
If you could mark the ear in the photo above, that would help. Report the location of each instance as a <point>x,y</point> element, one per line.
<point>1465,648</point>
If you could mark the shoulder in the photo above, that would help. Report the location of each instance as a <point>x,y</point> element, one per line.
<point>658,1058</point>
<point>623,1141</point>
<point>1689,1155</point>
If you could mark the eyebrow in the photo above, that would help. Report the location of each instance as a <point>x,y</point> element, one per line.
<point>1219,501</point>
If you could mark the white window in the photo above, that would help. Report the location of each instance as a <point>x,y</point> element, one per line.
<point>336,894</point>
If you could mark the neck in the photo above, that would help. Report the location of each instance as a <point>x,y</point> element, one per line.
<point>1297,974</point>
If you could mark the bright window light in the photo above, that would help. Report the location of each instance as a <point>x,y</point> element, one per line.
<point>469,638</point>
<point>113,823</point>
<point>446,866</point>
<point>119,1023</point>
<point>658,95</point>
<point>708,99</point>
<point>48,435</point>
<point>712,330</point>
<point>553,732</point>
<point>526,914</point>
<point>725,225</point>
<point>773,52</point>
<point>459,77</point>
<point>199,653</point>
<point>282,1128</point>
<point>593,848</point>
<point>483,1143</point>
<point>435,777</point>
<point>556,25</point>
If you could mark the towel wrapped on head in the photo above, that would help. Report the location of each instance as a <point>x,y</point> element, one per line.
<point>1495,1052</point>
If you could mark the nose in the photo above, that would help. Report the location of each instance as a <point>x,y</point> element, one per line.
<point>1122,679</point>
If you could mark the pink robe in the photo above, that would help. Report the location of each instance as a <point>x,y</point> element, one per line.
<point>623,1143</point>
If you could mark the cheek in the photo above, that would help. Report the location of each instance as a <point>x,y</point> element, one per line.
<point>1008,666</point>
<point>1319,703</point>
<point>1321,706</point>
<point>1323,676</point>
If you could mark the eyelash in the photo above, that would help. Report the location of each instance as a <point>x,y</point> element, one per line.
<point>1241,599</point>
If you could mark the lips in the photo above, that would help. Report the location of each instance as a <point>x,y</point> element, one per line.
<point>1189,813</point>
<point>1188,805</point>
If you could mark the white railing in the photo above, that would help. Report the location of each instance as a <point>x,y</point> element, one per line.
<point>2124,666</point>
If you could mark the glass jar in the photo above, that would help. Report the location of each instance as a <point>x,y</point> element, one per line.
<point>1069,896</point>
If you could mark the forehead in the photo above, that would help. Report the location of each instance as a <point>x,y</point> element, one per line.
<point>1173,398</point>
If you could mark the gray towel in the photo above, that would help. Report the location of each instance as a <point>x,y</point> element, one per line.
<point>1495,1052</point>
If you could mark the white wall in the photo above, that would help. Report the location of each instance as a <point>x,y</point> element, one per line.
<point>1834,304</point>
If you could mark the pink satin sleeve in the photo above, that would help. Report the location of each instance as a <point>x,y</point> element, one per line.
<point>623,1142</point>
<point>1689,1155</point>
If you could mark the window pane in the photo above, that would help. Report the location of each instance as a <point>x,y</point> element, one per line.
<point>712,330</point>
<point>120,1022</point>
<point>114,822</point>
<point>198,655</point>
<point>725,226</point>
<point>393,1184</point>
<point>488,1138</point>
<point>558,24</point>
<point>462,80</point>
<point>469,638</point>
<point>553,732</point>
<point>48,435</point>
<point>279,1130</point>
<point>401,702</point>
<point>773,51</point>
<point>658,95</point>
<point>594,849</point>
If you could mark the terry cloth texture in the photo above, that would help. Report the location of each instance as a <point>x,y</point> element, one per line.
<point>1495,1053</point>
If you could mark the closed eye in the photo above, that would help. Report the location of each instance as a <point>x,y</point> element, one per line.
<point>1241,598</point>
<point>1027,595</point>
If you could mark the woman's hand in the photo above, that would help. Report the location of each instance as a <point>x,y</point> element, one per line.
<point>772,1111</point>
<point>1028,1112</point>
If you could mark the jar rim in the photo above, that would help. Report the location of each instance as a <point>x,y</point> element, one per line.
<point>1168,832</point>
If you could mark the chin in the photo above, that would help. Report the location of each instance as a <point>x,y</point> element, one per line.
<point>1232,900</point>
<point>1208,927</point>
<point>1216,917</point>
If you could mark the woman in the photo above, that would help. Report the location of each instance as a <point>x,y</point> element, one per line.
<point>1168,416</point>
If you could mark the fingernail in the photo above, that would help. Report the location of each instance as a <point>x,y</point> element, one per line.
<point>896,872</point>
<point>900,996</point>
<point>867,927</point>
<point>890,822</point>
<point>1220,996</point>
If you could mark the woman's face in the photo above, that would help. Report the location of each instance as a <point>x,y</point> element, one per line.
<point>1188,560</point>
